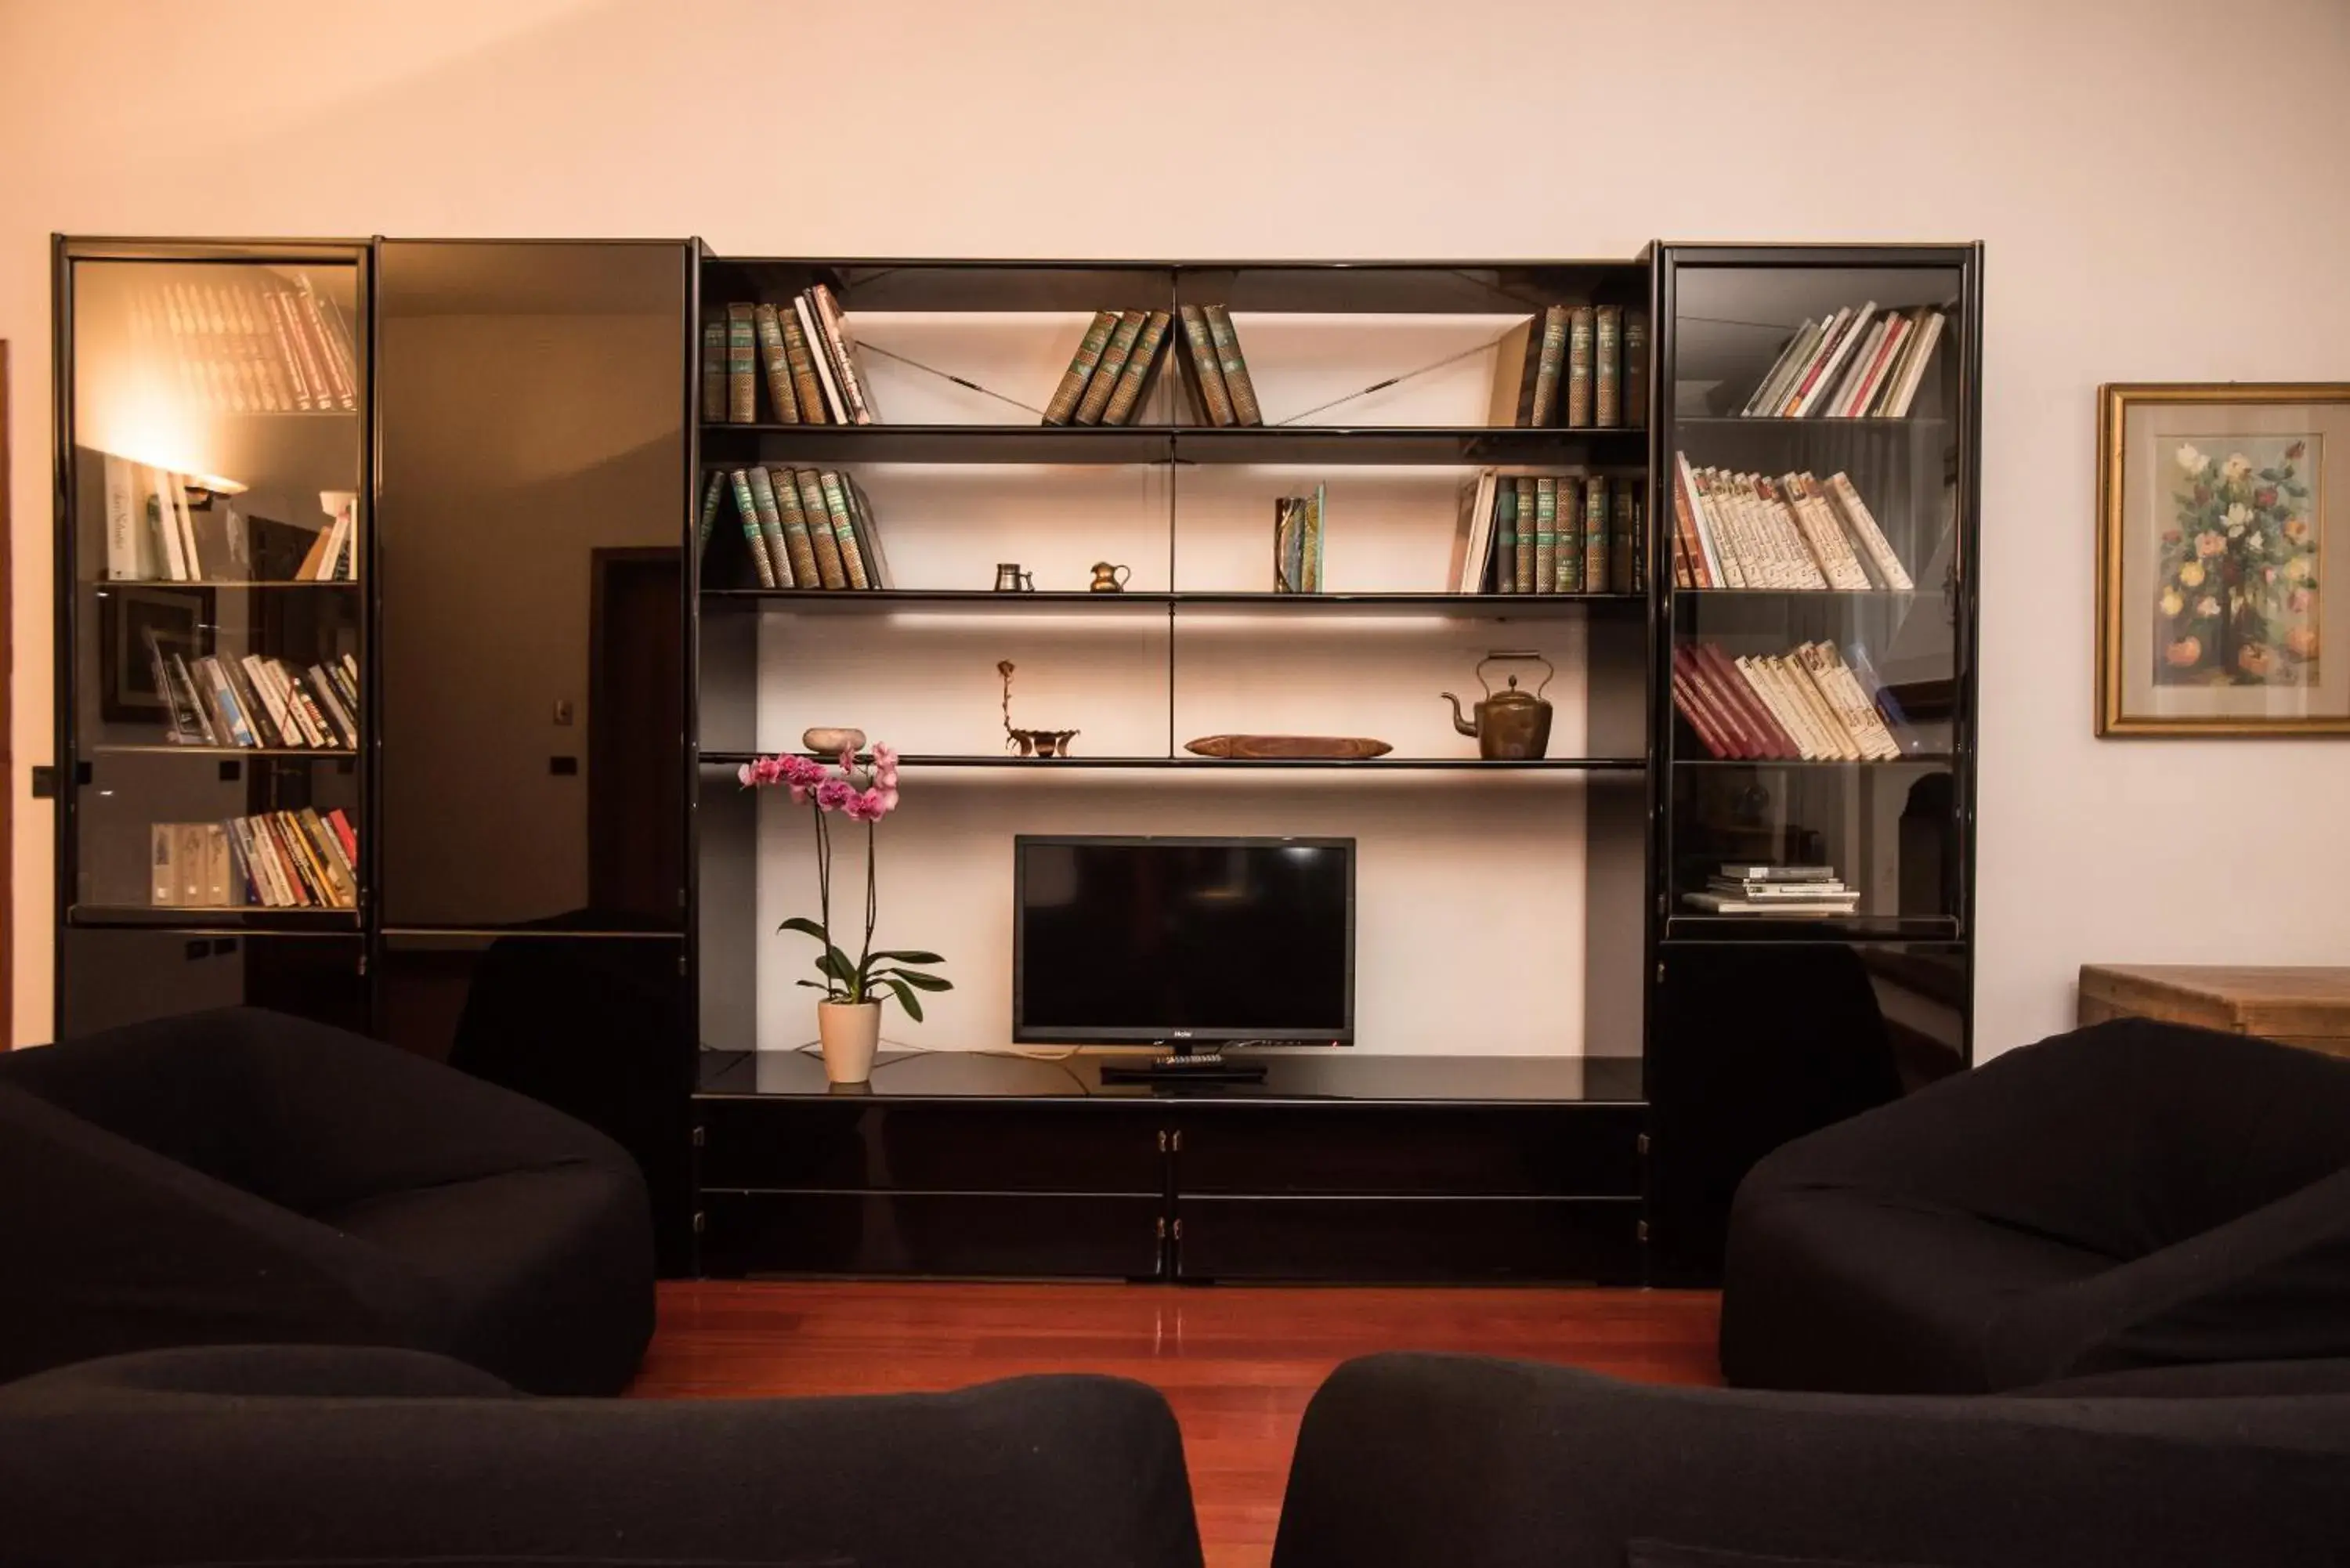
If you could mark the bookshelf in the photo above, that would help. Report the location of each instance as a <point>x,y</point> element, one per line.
<point>556,845</point>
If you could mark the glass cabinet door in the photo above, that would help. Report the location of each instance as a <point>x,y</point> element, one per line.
<point>1815,558</point>
<point>215,586</point>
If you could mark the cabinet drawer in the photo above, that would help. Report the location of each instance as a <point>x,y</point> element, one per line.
<point>868,1146</point>
<point>995,1235</point>
<point>1409,1240</point>
<point>1545,1151</point>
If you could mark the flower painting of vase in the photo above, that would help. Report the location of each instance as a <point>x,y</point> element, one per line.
<point>2237,578</point>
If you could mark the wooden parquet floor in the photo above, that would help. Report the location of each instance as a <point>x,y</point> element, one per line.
<point>1236,1363</point>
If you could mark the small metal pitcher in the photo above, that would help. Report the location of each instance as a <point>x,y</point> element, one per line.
<point>1512,725</point>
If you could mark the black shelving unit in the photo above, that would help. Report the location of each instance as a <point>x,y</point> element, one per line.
<point>1761,1028</point>
<point>598,895</point>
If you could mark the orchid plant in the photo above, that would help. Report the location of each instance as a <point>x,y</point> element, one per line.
<point>866,793</point>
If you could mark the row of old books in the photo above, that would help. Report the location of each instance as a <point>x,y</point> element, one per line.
<point>800,352</point>
<point>1546,533</point>
<point>1298,529</point>
<point>1775,889</point>
<point>1858,363</point>
<point>1806,704</point>
<point>1109,377</point>
<point>247,346</point>
<point>220,699</point>
<point>273,859</point>
<point>1750,531</point>
<point>156,533</point>
<point>803,527</point>
<point>1580,367</point>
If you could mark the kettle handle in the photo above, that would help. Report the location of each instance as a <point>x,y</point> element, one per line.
<point>1549,674</point>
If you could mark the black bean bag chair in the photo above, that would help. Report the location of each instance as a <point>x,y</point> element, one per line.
<point>2131,1195</point>
<point>241,1176</point>
<point>1446,1461</point>
<point>282,1456</point>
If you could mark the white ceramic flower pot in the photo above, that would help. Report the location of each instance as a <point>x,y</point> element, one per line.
<point>849,1031</point>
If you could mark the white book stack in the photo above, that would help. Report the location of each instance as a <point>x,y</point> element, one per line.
<point>1775,891</point>
<point>1860,362</point>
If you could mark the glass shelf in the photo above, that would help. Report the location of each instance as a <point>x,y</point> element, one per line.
<point>1239,765</point>
<point>228,917</point>
<point>1615,447</point>
<point>1480,607</point>
<point>1809,928</point>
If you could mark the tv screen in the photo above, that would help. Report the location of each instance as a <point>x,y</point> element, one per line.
<point>1184,939</point>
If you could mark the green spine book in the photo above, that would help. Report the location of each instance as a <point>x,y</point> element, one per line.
<point>798,549</point>
<point>1636,368</point>
<point>844,531</point>
<point>1596,513</point>
<point>1229,359</point>
<point>1619,578</point>
<point>1579,368</point>
<point>748,509</point>
<point>1608,364</point>
<point>771,528</point>
<point>868,538</point>
<point>1546,551</point>
<point>742,367</point>
<point>714,372</point>
<point>1310,572</point>
<point>773,359</point>
<point>1552,356</point>
<point>1505,537</point>
<point>710,496</point>
<point>808,392</point>
<point>1103,385</point>
<point>1081,367</point>
<point>1522,570</point>
<point>1215,400</point>
<point>829,572</point>
<point>1529,370</point>
<point>1137,374</point>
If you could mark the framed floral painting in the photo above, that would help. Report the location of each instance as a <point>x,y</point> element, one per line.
<point>2214,612</point>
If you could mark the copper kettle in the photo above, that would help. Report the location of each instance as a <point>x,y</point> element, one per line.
<point>1512,725</point>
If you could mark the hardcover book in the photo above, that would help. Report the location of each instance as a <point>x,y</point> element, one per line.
<point>747,509</point>
<point>844,531</point>
<point>831,573</point>
<point>1521,569</point>
<point>1636,368</point>
<point>771,528</point>
<point>1607,349</point>
<point>799,549</point>
<point>1102,384</point>
<point>1064,401</point>
<point>742,367</point>
<point>1136,377</point>
<point>1208,376</point>
<point>714,372</point>
<point>1549,362</point>
<point>773,359</point>
<point>1234,366</point>
<point>1580,330</point>
<point>807,390</point>
<point>1504,570</point>
<point>1546,521</point>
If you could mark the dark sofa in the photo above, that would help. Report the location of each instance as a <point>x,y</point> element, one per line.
<point>245,1177</point>
<point>313,1456</point>
<point>1443,1461</point>
<point>2131,1195</point>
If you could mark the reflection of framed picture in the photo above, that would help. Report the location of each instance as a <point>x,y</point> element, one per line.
<point>2214,616</point>
<point>126,690</point>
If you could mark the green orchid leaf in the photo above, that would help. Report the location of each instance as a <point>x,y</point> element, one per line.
<point>908,955</point>
<point>906,1000</point>
<point>805,925</point>
<point>918,981</point>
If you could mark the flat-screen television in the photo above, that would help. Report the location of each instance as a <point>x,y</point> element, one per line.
<point>1183,941</point>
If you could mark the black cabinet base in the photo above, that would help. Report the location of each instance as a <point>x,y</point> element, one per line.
<point>1410,1241</point>
<point>938,1234</point>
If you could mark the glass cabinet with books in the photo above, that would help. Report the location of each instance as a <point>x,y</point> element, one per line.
<point>213,449</point>
<point>1815,723</point>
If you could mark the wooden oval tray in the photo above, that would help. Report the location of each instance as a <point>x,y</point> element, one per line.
<point>1289,748</point>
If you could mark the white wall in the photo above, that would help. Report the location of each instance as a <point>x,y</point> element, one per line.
<point>2165,189</point>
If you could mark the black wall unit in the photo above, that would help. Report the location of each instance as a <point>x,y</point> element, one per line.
<point>556,879</point>
<point>118,976</point>
<point>1335,1168</point>
<point>1761,1029</point>
<point>532,516</point>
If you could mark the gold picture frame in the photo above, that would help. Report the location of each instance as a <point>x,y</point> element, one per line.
<point>2214,616</point>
